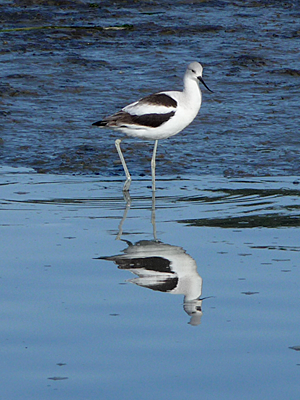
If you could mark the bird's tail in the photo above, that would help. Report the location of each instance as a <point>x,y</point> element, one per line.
<point>100,123</point>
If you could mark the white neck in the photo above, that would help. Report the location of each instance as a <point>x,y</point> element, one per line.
<point>192,91</point>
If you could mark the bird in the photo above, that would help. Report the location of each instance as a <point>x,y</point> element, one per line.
<point>158,116</point>
<point>166,268</point>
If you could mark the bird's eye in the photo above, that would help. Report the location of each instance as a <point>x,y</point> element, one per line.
<point>193,71</point>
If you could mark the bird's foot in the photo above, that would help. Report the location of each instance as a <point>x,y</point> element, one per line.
<point>127,185</point>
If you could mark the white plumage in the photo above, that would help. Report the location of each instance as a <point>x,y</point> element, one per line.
<point>158,116</point>
<point>166,268</point>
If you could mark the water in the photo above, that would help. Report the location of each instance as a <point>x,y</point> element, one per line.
<point>72,65</point>
<point>75,325</point>
<point>199,295</point>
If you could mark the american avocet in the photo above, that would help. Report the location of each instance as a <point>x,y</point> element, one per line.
<point>164,268</point>
<point>158,116</point>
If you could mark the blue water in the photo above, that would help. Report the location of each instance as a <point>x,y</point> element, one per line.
<point>70,72</point>
<point>211,309</point>
<point>76,326</point>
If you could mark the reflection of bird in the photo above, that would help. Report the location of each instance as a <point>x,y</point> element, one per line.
<point>166,268</point>
<point>158,116</point>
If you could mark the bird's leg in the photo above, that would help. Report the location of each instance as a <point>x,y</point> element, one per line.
<point>128,177</point>
<point>153,217</point>
<point>153,165</point>
<point>128,204</point>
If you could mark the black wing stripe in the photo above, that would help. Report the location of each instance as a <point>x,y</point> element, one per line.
<point>160,99</point>
<point>123,119</point>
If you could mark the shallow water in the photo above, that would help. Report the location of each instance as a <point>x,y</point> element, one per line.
<point>75,325</point>
<point>199,295</point>
<point>65,65</point>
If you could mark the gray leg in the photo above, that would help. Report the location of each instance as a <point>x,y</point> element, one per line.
<point>128,177</point>
<point>128,204</point>
<point>153,217</point>
<point>153,165</point>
